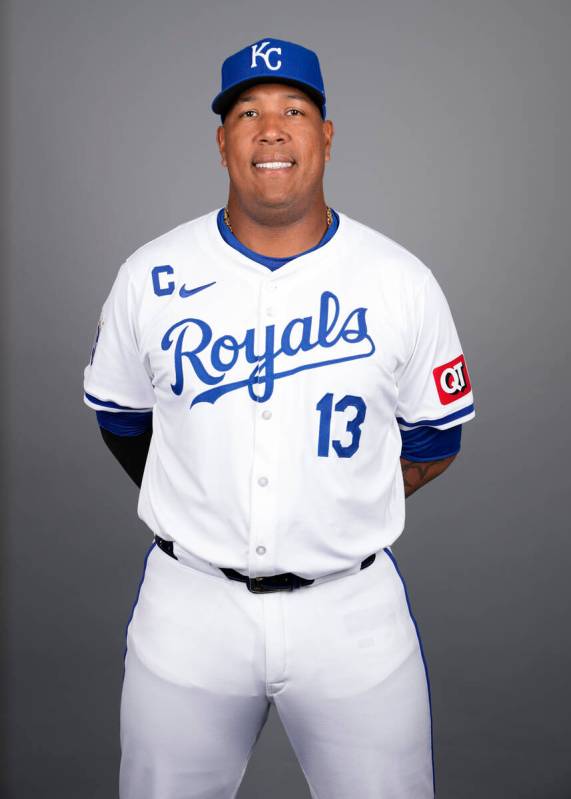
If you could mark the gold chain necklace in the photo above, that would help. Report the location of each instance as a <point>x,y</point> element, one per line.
<point>227,218</point>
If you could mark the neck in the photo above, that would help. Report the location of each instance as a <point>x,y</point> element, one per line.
<point>278,233</point>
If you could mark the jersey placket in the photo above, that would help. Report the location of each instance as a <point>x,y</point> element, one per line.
<point>262,545</point>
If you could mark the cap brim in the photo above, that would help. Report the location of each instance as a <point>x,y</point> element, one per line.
<point>226,99</point>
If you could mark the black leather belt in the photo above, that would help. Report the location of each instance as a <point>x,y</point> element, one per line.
<point>166,546</point>
<point>260,585</point>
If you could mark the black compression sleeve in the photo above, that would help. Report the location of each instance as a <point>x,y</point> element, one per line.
<point>130,451</point>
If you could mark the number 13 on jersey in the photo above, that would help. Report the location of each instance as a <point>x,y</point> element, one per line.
<point>326,408</point>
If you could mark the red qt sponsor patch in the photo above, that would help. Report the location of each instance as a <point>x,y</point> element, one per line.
<point>452,380</point>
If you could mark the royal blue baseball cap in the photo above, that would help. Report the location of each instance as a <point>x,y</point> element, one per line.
<point>270,61</point>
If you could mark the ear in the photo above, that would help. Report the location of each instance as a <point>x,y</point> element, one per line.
<point>221,141</point>
<point>328,133</point>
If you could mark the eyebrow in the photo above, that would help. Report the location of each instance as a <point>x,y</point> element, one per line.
<point>249,97</point>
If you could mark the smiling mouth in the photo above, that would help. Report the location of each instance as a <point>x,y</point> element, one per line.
<point>274,165</point>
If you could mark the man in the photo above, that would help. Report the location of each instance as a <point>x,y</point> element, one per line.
<point>271,371</point>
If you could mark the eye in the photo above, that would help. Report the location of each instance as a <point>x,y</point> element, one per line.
<point>249,113</point>
<point>295,112</point>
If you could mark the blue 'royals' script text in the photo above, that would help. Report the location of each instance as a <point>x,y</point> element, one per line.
<point>212,361</point>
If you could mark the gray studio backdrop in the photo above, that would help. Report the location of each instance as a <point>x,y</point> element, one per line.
<point>452,124</point>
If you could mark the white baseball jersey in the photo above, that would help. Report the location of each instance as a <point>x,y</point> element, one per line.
<point>277,397</point>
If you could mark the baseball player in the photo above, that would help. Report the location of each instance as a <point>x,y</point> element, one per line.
<point>276,377</point>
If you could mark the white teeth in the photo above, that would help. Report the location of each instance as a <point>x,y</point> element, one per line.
<point>274,165</point>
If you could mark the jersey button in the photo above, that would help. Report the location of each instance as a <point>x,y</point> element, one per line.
<point>266,415</point>
<point>261,550</point>
<point>263,481</point>
<point>269,311</point>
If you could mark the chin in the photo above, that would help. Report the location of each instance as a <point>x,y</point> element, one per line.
<point>275,201</point>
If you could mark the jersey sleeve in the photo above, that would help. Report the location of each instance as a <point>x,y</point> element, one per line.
<point>434,386</point>
<point>117,377</point>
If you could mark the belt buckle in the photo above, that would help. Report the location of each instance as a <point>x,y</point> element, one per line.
<point>257,585</point>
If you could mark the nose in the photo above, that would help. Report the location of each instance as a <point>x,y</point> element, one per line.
<point>271,130</point>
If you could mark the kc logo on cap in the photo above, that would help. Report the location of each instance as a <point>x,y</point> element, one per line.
<point>270,60</point>
<point>257,51</point>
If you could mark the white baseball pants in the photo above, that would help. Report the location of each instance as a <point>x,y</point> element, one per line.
<point>340,660</point>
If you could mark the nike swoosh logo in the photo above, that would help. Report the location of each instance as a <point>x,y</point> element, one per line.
<point>184,292</point>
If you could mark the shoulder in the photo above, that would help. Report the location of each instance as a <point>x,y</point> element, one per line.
<point>383,254</point>
<point>170,245</point>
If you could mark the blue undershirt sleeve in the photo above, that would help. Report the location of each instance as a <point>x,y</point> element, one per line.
<point>125,423</point>
<point>429,443</point>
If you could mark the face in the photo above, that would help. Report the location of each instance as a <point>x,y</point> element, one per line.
<point>274,144</point>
